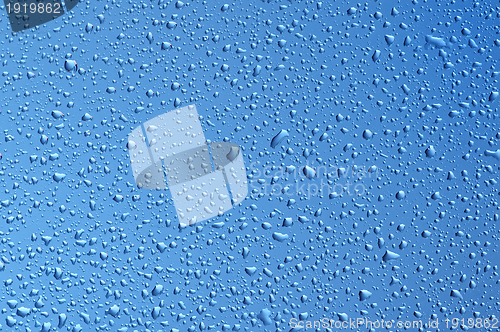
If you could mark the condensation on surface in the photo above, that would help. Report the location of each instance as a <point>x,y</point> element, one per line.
<point>370,138</point>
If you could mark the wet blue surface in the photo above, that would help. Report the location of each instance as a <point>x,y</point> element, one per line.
<point>370,133</point>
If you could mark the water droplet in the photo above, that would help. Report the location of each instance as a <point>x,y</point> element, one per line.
<point>364,294</point>
<point>352,11</point>
<point>70,65</point>
<point>400,195</point>
<point>279,138</point>
<point>309,172</point>
<point>430,152</point>
<point>367,134</point>
<point>389,255</point>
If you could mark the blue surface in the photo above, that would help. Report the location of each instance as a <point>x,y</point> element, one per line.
<point>406,93</point>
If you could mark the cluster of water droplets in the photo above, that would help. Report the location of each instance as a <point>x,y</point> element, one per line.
<point>370,135</point>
